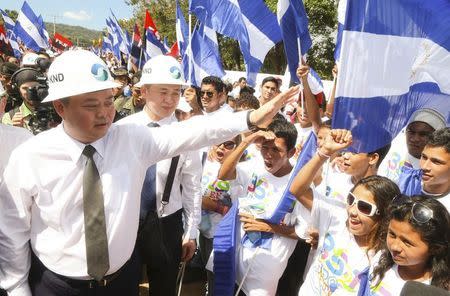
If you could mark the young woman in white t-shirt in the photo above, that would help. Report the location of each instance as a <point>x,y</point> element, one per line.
<point>417,246</point>
<point>349,238</point>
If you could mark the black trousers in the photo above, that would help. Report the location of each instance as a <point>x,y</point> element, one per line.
<point>162,279</point>
<point>292,278</point>
<point>44,282</point>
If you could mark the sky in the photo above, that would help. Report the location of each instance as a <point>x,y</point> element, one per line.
<point>86,13</point>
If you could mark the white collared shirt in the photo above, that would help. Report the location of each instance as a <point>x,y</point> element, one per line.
<point>188,175</point>
<point>42,198</point>
<point>11,137</point>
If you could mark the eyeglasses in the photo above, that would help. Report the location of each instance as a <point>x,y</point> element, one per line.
<point>419,212</point>
<point>364,207</point>
<point>209,94</point>
<point>228,145</point>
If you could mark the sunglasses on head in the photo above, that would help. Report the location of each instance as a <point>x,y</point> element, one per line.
<point>419,212</point>
<point>364,207</point>
<point>228,145</point>
<point>209,94</point>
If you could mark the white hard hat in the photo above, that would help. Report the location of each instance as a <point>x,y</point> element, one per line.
<point>161,70</point>
<point>76,72</point>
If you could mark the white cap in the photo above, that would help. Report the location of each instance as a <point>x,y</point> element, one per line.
<point>430,116</point>
<point>161,70</point>
<point>29,59</point>
<point>76,72</point>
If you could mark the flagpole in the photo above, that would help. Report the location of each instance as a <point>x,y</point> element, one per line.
<point>300,62</point>
<point>190,50</point>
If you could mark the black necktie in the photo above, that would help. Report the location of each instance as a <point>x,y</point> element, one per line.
<point>148,193</point>
<point>94,219</point>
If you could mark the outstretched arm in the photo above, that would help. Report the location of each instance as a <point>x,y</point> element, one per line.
<point>335,141</point>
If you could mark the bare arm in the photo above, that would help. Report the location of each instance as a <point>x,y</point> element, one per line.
<point>252,224</point>
<point>330,104</point>
<point>311,104</point>
<point>300,187</point>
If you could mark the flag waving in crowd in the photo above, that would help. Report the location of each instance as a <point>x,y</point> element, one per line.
<point>158,149</point>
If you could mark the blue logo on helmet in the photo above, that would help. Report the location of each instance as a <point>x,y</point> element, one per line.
<point>100,72</point>
<point>175,72</point>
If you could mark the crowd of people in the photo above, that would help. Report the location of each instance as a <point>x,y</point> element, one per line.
<point>108,175</point>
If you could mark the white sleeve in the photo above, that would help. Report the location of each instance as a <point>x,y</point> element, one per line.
<point>155,144</point>
<point>15,209</point>
<point>191,173</point>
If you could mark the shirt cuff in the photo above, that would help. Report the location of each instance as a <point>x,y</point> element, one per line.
<point>191,233</point>
<point>21,290</point>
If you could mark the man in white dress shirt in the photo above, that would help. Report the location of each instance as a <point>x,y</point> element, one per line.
<point>70,202</point>
<point>161,92</point>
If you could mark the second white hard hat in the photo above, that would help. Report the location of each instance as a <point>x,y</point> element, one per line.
<point>161,70</point>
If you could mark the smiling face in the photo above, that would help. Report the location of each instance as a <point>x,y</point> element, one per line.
<point>87,117</point>
<point>359,224</point>
<point>406,245</point>
<point>161,99</point>
<point>268,90</point>
<point>435,163</point>
<point>210,98</point>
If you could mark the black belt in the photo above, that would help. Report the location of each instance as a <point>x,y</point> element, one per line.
<point>91,284</point>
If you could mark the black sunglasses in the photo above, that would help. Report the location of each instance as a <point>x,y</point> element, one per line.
<point>228,145</point>
<point>209,94</point>
<point>364,207</point>
<point>420,213</point>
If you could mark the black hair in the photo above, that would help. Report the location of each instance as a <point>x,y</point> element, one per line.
<point>285,130</point>
<point>270,79</point>
<point>435,232</point>
<point>382,152</point>
<point>440,138</point>
<point>383,191</point>
<point>247,89</point>
<point>242,78</point>
<point>228,87</point>
<point>197,96</point>
<point>247,101</point>
<point>215,81</point>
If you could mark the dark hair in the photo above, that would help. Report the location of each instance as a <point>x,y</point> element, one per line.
<point>247,101</point>
<point>241,79</point>
<point>228,87</point>
<point>326,123</point>
<point>384,191</point>
<point>247,89</point>
<point>285,130</point>
<point>440,138</point>
<point>436,233</point>
<point>382,152</point>
<point>270,79</point>
<point>215,81</point>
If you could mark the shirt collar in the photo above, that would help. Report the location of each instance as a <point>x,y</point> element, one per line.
<point>75,147</point>
<point>145,119</point>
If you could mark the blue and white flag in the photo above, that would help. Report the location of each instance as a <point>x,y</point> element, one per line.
<point>28,29</point>
<point>294,29</point>
<point>153,46</point>
<point>249,22</point>
<point>342,9</point>
<point>106,44</point>
<point>9,26</point>
<point>182,31</point>
<point>122,39</point>
<point>113,37</point>
<point>314,81</point>
<point>43,29</point>
<point>395,60</point>
<point>205,59</point>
